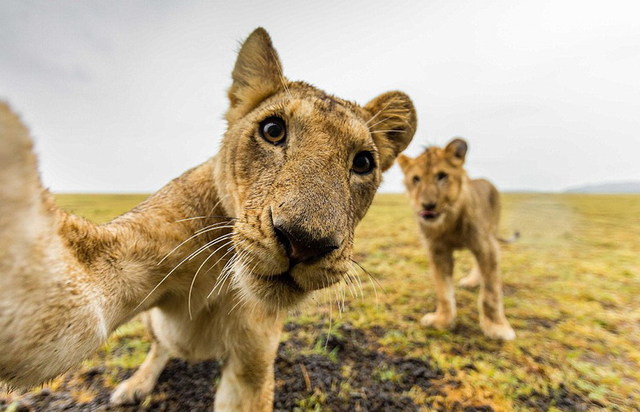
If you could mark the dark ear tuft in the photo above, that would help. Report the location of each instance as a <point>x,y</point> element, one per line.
<point>456,151</point>
<point>392,124</point>
<point>256,75</point>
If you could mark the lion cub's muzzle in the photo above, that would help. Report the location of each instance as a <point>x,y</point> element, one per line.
<point>301,245</point>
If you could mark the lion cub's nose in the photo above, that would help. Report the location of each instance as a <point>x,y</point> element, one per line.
<point>301,246</point>
<point>429,206</point>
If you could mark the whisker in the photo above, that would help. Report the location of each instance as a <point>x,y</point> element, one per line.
<point>349,282</point>
<point>370,275</point>
<point>227,270</point>
<point>198,233</point>
<point>193,281</point>
<point>387,131</point>
<point>205,217</point>
<point>373,281</point>
<point>176,267</point>
<point>209,244</point>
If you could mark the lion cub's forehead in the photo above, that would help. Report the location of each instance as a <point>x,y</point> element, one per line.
<point>431,159</point>
<point>327,112</point>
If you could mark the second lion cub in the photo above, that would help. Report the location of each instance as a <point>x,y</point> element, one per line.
<point>456,212</point>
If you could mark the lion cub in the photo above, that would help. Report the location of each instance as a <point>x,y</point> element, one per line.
<point>456,212</point>
<point>217,256</point>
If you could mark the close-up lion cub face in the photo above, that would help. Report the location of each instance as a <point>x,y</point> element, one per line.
<point>302,168</point>
<point>434,180</point>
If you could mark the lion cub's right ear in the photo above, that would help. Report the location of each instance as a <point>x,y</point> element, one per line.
<point>404,162</point>
<point>256,75</point>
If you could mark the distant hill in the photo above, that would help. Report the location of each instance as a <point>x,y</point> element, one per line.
<point>632,186</point>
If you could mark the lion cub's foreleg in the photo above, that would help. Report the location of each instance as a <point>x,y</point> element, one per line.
<point>493,322</point>
<point>138,386</point>
<point>247,384</point>
<point>445,314</point>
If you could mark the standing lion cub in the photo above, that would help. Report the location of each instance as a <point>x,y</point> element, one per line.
<point>217,256</point>
<point>456,212</point>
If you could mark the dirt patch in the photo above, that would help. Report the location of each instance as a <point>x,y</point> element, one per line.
<point>181,386</point>
<point>359,378</point>
<point>346,370</point>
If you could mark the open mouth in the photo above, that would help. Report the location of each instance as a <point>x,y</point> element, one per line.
<point>428,214</point>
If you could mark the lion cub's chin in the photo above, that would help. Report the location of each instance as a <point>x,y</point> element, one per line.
<point>287,289</point>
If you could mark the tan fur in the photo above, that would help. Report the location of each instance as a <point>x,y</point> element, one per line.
<point>464,214</point>
<point>66,283</point>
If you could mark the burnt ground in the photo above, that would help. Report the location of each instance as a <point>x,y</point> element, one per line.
<point>345,371</point>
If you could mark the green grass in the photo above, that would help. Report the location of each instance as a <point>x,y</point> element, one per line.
<point>572,287</point>
<point>571,292</point>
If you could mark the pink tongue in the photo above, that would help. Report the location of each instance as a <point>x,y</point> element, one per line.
<point>426,213</point>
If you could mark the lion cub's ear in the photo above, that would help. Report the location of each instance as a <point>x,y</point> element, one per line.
<point>256,75</point>
<point>392,124</point>
<point>404,162</point>
<point>456,151</point>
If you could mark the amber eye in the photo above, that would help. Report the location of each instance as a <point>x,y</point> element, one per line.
<point>441,176</point>
<point>273,130</point>
<point>416,180</point>
<point>363,163</point>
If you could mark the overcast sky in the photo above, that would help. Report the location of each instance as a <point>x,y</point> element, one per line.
<point>123,96</point>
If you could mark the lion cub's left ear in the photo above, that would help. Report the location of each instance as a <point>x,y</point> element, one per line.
<point>256,75</point>
<point>392,124</point>
<point>456,151</point>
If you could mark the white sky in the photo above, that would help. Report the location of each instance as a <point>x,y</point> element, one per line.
<point>123,96</point>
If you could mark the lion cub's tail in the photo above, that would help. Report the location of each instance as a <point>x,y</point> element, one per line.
<point>23,201</point>
<point>513,238</point>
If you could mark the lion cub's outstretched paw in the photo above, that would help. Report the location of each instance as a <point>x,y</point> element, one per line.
<point>470,281</point>
<point>131,391</point>
<point>502,331</point>
<point>436,320</point>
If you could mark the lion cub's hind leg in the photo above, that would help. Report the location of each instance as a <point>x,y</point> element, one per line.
<point>138,386</point>
<point>473,279</point>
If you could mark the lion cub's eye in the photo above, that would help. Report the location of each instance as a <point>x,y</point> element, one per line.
<point>441,176</point>
<point>363,163</point>
<point>273,130</point>
<point>416,180</point>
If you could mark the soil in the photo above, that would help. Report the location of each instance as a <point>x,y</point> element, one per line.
<point>343,376</point>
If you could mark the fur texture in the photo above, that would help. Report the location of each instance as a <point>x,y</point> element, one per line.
<point>456,212</point>
<point>205,256</point>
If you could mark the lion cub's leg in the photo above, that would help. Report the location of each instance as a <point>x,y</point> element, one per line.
<point>444,316</point>
<point>138,386</point>
<point>141,383</point>
<point>247,382</point>
<point>474,278</point>
<point>493,322</point>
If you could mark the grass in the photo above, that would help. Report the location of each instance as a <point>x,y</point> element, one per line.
<point>571,292</point>
<point>572,287</point>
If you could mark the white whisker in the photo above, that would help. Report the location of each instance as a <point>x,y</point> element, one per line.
<point>178,265</point>
<point>193,281</point>
<point>198,233</point>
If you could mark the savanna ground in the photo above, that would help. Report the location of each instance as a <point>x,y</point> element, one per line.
<point>572,293</point>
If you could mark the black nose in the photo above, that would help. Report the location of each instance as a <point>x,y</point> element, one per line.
<point>429,206</point>
<point>302,246</point>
